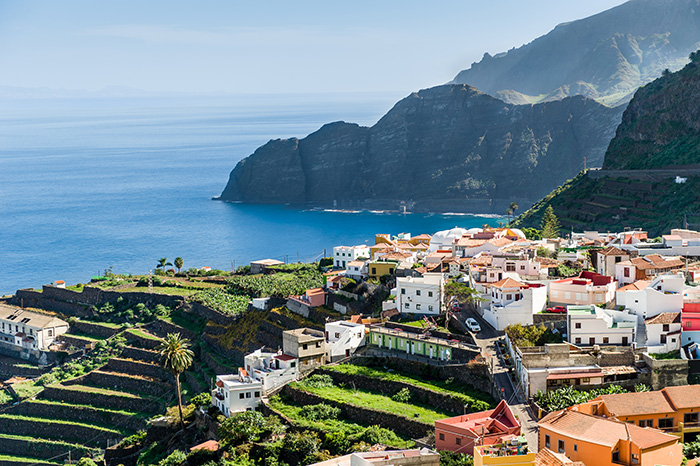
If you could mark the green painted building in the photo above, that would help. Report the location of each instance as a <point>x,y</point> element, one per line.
<point>410,343</point>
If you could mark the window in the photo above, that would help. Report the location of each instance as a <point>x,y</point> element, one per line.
<point>305,346</point>
<point>646,423</point>
<point>606,340</point>
<point>417,292</point>
<point>458,441</point>
<point>418,307</point>
<point>257,394</point>
<point>690,417</point>
<point>294,364</point>
<point>635,458</point>
<point>546,440</point>
<point>337,334</point>
<point>403,290</point>
<point>374,271</point>
<point>591,341</point>
<point>578,340</point>
<point>430,294</point>
<point>586,380</point>
<point>508,297</point>
<point>430,308</point>
<point>560,446</point>
<point>663,339</point>
<point>626,272</point>
<point>666,328</point>
<point>510,267</point>
<point>616,456</point>
<point>50,332</point>
<point>247,394</point>
<point>318,344</point>
<point>687,324</point>
<point>577,325</point>
<point>442,436</point>
<point>522,267</point>
<point>407,306</point>
<point>575,447</point>
<point>666,423</point>
<point>241,395</point>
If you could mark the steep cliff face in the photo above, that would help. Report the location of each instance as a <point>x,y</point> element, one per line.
<point>661,126</point>
<point>658,139</point>
<point>606,56</point>
<point>449,147</point>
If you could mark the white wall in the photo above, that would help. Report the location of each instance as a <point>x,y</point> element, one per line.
<point>344,254</point>
<point>600,326</point>
<point>650,301</point>
<point>516,312</point>
<point>419,295</point>
<point>654,332</point>
<point>342,336</point>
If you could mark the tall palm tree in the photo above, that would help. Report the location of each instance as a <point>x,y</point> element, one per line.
<point>162,262</point>
<point>179,262</point>
<point>509,213</point>
<point>513,207</point>
<point>176,357</point>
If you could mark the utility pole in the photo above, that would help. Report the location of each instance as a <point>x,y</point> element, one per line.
<point>150,282</point>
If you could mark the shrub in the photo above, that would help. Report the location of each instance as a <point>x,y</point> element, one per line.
<point>402,396</point>
<point>135,439</point>
<point>203,399</point>
<point>319,412</point>
<point>86,462</point>
<point>174,459</point>
<point>376,435</point>
<point>47,379</point>
<point>318,381</point>
<point>451,458</point>
<point>337,442</point>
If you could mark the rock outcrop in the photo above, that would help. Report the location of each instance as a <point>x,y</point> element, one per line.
<point>448,148</point>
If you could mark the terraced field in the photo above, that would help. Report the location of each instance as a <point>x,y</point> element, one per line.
<point>87,413</point>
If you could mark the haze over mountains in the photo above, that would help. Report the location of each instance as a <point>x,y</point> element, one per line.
<point>455,148</point>
<point>606,56</point>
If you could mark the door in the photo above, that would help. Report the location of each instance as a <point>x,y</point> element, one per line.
<point>591,341</point>
<point>625,341</point>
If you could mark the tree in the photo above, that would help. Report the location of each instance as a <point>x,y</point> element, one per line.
<point>513,207</point>
<point>162,262</point>
<point>178,263</point>
<point>176,357</point>
<point>509,212</point>
<point>460,292</point>
<point>550,224</point>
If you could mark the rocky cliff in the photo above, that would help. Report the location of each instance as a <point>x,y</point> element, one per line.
<point>657,141</point>
<point>606,56</point>
<point>448,148</point>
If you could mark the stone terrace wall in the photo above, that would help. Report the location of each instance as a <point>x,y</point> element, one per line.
<point>399,424</point>
<point>131,352</point>
<point>666,372</point>
<point>97,330</point>
<point>474,374</point>
<point>84,414</point>
<point>427,397</point>
<point>208,313</point>
<point>39,449</point>
<point>98,399</point>
<point>140,341</point>
<point>132,384</point>
<point>35,299</point>
<point>125,366</point>
<point>162,327</point>
<point>70,433</point>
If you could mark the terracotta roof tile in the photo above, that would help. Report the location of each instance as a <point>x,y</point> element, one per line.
<point>636,286</point>
<point>509,283</point>
<point>684,396</point>
<point>630,404</point>
<point>613,251</point>
<point>665,318</point>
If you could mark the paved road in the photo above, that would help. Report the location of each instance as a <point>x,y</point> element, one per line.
<point>486,340</point>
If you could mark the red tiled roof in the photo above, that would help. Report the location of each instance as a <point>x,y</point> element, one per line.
<point>573,375</point>
<point>684,396</point>
<point>613,251</point>
<point>665,318</point>
<point>655,261</point>
<point>630,404</point>
<point>210,445</point>
<point>285,357</point>
<point>636,286</point>
<point>508,283</point>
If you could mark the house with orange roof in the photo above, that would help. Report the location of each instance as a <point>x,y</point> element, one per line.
<point>599,441</point>
<point>462,434</point>
<point>663,332</point>
<point>648,298</point>
<point>357,270</point>
<point>673,410</point>
<point>587,288</point>
<point>514,452</point>
<point>513,302</point>
<point>645,268</point>
<point>470,246</point>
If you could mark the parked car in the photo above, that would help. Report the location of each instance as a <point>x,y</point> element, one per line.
<point>473,325</point>
<point>557,309</point>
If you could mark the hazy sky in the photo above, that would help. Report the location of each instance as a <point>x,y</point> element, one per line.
<point>264,46</point>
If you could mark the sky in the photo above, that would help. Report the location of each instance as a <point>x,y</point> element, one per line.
<point>262,47</point>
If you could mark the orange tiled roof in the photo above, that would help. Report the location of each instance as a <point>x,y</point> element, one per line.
<point>630,404</point>
<point>509,283</point>
<point>613,251</point>
<point>636,286</point>
<point>470,243</point>
<point>500,242</point>
<point>655,261</point>
<point>665,318</point>
<point>684,396</point>
<point>547,457</point>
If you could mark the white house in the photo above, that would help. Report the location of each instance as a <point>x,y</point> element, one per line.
<point>592,325</point>
<point>272,369</point>
<point>525,267</point>
<point>343,338</point>
<point>236,393</point>
<point>645,268</point>
<point>647,299</point>
<point>663,332</point>
<point>357,270</point>
<point>513,302</point>
<point>344,254</point>
<point>608,257</point>
<point>420,295</point>
<point>29,330</point>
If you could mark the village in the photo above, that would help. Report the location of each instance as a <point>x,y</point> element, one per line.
<point>484,346</point>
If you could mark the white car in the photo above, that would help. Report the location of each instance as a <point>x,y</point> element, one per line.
<point>473,325</point>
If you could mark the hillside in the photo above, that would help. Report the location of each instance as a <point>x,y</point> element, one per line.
<point>606,56</point>
<point>657,140</point>
<point>448,148</point>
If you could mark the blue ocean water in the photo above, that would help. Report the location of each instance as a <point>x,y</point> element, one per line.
<point>89,184</point>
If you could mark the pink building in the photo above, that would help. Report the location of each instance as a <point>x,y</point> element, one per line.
<point>462,433</point>
<point>587,288</point>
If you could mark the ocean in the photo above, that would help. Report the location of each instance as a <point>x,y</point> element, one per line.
<point>89,184</point>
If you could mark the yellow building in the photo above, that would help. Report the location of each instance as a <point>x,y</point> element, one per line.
<point>378,268</point>
<point>514,453</point>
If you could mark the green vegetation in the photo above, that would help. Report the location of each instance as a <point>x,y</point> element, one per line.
<point>561,398</point>
<point>16,417</point>
<point>292,279</point>
<point>120,312</point>
<point>374,401</point>
<point>670,355</point>
<point>142,334</point>
<point>169,290</point>
<point>220,300</point>
<point>176,357</point>
<point>691,449</point>
<point>460,292</point>
<point>26,389</point>
<point>27,459</point>
<point>477,401</point>
<point>550,224</point>
<point>531,335</point>
<point>5,397</point>
<point>248,426</point>
<point>451,458</point>
<point>50,403</point>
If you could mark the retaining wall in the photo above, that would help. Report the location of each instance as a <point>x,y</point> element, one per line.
<point>427,397</point>
<point>140,341</point>
<point>399,424</point>
<point>71,433</point>
<point>134,384</point>
<point>58,393</point>
<point>139,354</point>
<point>39,449</point>
<point>97,330</point>
<point>666,372</point>
<point>85,414</point>
<point>146,369</point>
<point>162,328</point>
<point>211,314</point>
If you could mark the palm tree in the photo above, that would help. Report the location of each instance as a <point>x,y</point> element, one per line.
<point>176,357</point>
<point>513,207</point>
<point>509,213</point>
<point>179,263</point>
<point>162,262</point>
